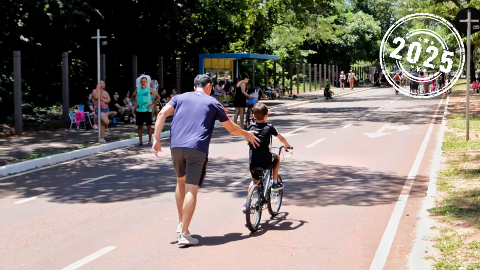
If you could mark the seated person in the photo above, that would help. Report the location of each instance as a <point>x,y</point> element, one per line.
<point>289,91</point>
<point>116,106</point>
<point>174,93</point>
<point>164,96</point>
<point>261,156</point>
<point>327,93</point>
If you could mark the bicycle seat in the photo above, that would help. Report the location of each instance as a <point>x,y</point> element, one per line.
<point>258,169</point>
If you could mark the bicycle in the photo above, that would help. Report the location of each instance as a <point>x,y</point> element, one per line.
<point>261,194</point>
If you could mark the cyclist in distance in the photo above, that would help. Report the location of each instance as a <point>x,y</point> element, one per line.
<point>261,156</point>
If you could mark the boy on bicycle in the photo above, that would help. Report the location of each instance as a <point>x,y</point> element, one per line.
<point>261,156</point>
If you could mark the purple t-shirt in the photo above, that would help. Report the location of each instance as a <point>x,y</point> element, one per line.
<point>194,119</point>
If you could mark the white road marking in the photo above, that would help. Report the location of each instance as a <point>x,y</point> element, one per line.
<point>368,114</point>
<point>315,142</point>
<point>89,258</point>
<point>26,200</point>
<point>416,260</point>
<point>94,179</point>
<point>243,178</point>
<point>347,126</point>
<point>383,249</point>
<point>298,129</point>
<point>167,218</point>
<point>392,101</point>
<point>380,131</point>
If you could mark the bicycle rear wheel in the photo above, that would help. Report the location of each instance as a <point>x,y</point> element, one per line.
<point>275,201</point>
<point>253,212</point>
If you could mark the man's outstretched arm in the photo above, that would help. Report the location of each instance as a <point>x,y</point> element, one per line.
<point>237,130</point>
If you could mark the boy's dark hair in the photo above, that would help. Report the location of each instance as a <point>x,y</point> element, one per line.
<point>260,110</point>
<point>201,80</point>
<point>221,83</point>
<point>143,78</point>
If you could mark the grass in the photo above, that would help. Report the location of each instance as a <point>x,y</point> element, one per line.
<point>458,199</point>
<point>35,156</point>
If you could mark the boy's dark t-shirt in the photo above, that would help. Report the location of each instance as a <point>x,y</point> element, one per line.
<point>261,155</point>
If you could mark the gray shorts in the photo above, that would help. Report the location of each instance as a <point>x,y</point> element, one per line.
<point>190,162</point>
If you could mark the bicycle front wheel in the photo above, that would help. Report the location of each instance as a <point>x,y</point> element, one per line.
<point>253,212</point>
<point>275,201</point>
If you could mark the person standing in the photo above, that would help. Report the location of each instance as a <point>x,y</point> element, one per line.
<point>144,110</point>
<point>191,130</point>
<point>351,79</point>
<point>240,100</point>
<point>342,80</point>
<point>97,93</point>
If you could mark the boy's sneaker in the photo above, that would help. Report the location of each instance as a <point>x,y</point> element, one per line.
<point>186,240</point>
<point>244,208</point>
<point>277,186</point>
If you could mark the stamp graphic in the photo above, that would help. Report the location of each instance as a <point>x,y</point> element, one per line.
<point>419,52</point>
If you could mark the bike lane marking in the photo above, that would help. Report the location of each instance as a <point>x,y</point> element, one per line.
<point>89,258</point>
<point>383,250</point>
<point>315,142</point>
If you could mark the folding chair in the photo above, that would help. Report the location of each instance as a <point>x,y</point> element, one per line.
<point>72,121</point>
<point>87,114</point>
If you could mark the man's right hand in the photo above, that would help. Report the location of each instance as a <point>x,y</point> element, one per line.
<point>156,147</point>
<point>251,138</point>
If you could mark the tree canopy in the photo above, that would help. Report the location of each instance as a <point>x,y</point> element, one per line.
<point>306,31</point>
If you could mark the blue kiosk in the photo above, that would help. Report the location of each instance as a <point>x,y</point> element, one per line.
<point>225,65</point>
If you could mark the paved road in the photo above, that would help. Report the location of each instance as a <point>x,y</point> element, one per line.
<point>341,208</point>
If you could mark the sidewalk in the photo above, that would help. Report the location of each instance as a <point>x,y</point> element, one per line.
<point>33,145</point>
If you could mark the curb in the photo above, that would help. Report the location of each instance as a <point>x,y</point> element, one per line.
<point>421,245</point>
<point>58,158</point>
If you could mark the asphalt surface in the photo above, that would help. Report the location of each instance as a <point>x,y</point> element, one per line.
<point>116,210</point>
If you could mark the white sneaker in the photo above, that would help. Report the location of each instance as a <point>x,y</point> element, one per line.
<point>186,240</point>
<point>180,227</point>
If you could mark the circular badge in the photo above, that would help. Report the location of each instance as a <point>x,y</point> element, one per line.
<point>422,55</point>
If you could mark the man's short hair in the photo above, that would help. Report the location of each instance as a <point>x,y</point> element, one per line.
<point>260,110</point>
<point>202,80</point>
<point>143,78</point>
<point>245,76</point>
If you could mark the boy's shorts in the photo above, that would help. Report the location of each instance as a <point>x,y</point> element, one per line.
<point>269,165</point>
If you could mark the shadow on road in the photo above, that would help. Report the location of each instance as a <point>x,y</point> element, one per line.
<point>278,223</point>
<point>308,183</point>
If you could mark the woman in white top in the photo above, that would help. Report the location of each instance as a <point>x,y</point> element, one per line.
<point>342,80</point>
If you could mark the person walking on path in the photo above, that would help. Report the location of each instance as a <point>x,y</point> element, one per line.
<point>104,100</point>
<point>191,130</point>
<point>342,80</point>
<point>240,100</point>
<point>351,79</point>
<point>144,110</point>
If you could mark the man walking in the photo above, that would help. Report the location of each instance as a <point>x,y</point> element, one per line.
<point>144,110</point>
<point>190,134</point>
